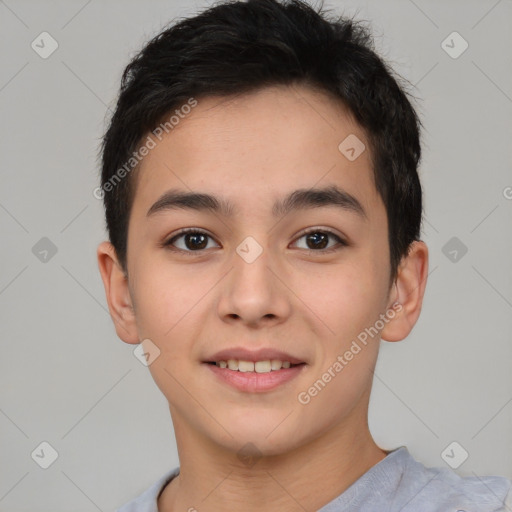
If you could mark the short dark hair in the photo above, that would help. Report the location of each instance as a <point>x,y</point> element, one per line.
<point>238,47</point>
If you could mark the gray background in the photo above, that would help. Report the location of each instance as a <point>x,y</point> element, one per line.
<point>68,380</point>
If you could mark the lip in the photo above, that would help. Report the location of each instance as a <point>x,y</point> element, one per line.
<point>262,354</point>
<point>252,382</point>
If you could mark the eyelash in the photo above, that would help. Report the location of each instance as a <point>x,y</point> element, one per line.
<point>169,243</point>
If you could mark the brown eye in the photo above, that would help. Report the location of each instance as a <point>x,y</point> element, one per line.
<point>318,240</point>
<point>195,241</point>
<point>191,240</point>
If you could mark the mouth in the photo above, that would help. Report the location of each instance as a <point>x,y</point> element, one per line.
<point>263,366</point>
<point>258,371</point>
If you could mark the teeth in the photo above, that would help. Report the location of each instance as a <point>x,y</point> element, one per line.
<point>275,364</point>
<point>249,366</point>
<point>262,367</point>
<point>245,366</point>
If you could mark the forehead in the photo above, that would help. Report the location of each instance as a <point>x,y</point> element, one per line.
<point>255,148</point>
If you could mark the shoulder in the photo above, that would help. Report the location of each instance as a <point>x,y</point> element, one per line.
<point>147,501</point>
<point>437,489</point>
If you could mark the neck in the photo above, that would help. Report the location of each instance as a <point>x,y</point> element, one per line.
<point>307,477</point>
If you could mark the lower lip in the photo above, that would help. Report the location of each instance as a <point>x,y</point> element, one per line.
<point>252,382</point>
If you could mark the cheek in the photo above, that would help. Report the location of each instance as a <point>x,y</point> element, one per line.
<point>347,305</point>
<point>167,298</point>
<point>171,306</point>
<point>167,308</point>
<point>345,299</point>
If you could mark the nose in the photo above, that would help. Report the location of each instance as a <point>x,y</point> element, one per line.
<point>255,293</point>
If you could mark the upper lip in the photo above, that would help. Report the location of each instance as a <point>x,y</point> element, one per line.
<point>261,354</point>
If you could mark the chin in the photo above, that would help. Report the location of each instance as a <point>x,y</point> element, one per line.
<point>268,436</point>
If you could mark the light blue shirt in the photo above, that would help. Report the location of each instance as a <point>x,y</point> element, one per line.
<point>398,483</point>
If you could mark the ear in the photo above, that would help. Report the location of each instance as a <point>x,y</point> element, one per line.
<point>117,292</point>
<point>408,291</point>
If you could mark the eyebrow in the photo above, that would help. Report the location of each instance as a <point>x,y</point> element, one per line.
<point>296,200</point>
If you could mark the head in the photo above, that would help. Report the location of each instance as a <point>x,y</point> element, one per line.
<point>289,150</point>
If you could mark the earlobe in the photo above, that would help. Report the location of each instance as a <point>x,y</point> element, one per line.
<point>409,292</point>
<point>117,293</point>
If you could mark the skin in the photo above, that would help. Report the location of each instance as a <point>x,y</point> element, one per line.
<point>254,149</point>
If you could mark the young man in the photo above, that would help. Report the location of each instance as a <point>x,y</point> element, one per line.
<point>264,210</point>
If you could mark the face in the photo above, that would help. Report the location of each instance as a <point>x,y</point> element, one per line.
<point>259,276</point>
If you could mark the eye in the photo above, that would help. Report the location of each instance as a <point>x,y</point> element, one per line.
<point>189,240</point>
<point>192,240</point>
<point>317,240</point>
